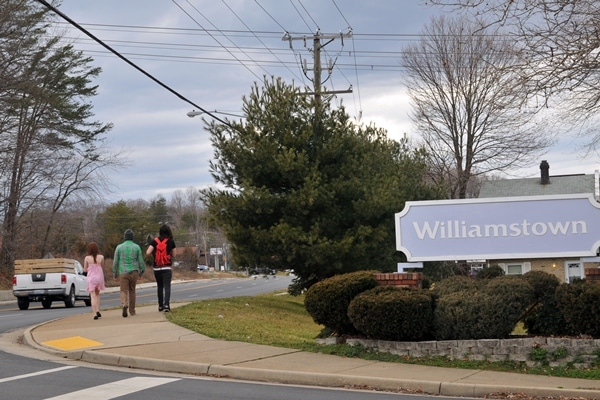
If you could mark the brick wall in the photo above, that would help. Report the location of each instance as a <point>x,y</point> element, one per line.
<point>400,279</point>
<point>592,274</point>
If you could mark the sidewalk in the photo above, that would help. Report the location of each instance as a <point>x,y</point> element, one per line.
<point>148,341</point>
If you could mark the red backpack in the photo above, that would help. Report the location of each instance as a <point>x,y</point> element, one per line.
<point>161,257</point>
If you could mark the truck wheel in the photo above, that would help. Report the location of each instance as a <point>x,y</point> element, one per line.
<point>23,303</point>
<point>70,299</point>
<point>46,303</point>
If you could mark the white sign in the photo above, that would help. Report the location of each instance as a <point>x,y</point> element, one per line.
<point>499,228</point>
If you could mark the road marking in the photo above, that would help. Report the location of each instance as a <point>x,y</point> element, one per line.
<point>115,389</point>
<point>72,343</point>
<point>10,316</point>
<point>47,371</point>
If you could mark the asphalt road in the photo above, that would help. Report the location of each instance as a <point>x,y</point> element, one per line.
<point>12,318</point>
<point>29,374</point>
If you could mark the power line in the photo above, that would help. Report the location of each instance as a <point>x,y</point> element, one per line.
<point>301,16</point>
<point>307,13</point>
<point>270,16</point>
<point>75,24</point>
<point>213,37</point>
<point>238,17</point>
<point>355,62</point>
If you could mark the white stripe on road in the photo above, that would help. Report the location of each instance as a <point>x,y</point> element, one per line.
<point>115,389</point>
<point>48,371</point>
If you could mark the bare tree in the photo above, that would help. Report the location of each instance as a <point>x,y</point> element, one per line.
<point>48,139</point>
<point>559,50</point>
<point>468,105</point>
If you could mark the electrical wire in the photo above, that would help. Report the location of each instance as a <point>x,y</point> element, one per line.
<point>75,24</point>
<point>355,67</point>
<point>212,36</point>
<point>243,23</point>
<point>301,16</point>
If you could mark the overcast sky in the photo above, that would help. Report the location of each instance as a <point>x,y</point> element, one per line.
<point>212,52</point>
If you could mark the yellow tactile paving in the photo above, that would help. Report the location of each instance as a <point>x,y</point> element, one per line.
<point>72,343</point>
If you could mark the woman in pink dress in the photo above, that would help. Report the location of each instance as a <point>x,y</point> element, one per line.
<point>93,265</point>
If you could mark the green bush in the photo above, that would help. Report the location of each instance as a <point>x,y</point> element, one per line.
<point>544,317</point>
<point>455,314</point>
<point>490,272</point>
<point>490,312</point>
<point>579,303</point>
<point>543,283</point>
<point>327,301</point>
<point>453,284</point>
<point>507,299</point>
<point>391,313</point>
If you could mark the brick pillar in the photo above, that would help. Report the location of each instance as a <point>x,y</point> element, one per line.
<point>592,275</point>
<point>400,279</point>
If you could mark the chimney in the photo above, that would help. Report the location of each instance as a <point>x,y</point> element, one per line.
<point>545,171</point>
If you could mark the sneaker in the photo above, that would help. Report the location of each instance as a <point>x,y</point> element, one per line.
<point>124,311</point>
<point>98,315</point>
<point>160,308</point>
<point>167,309</point>
<point>95,316</point>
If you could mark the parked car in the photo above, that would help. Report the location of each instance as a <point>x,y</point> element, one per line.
<point>48,280</point>
<point>202,268</point>
<point>262,271</point>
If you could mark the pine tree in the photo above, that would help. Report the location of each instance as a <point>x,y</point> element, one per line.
<point>312,193</point>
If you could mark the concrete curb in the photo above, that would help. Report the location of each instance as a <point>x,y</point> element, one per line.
<point>324,380</point>
<point>7,295</point>
<point>454,389</point>
<point>233,372</point>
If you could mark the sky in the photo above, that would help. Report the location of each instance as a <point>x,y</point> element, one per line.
<point>211,53</point>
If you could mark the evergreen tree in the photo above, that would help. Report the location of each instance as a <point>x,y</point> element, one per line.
<point>312,193</point>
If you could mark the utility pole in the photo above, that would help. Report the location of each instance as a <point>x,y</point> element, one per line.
<point>317,68</point>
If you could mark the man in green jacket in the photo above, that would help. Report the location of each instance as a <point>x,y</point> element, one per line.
<point>128,264</point>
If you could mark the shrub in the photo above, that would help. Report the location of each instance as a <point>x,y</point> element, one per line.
<point>453,284</point>
<point>327,301</point>
<point>579,303</point>
<point>507,298</point>
<point>455,314</point>
<point>490,272</point>
<point>391,313</point>
<point>544,317</point>
<point>543,284</point>
<point>488,313</point>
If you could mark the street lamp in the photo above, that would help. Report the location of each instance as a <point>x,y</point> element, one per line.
<point>193,113</point>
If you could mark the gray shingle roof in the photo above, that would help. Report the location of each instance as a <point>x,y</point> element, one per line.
<point>560,184</point>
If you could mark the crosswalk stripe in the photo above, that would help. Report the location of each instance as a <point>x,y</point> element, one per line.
<point>115,389</point>
<point>46,371</point>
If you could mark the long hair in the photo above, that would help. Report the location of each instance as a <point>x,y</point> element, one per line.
<point>165,231</point>
<point>93,250</point>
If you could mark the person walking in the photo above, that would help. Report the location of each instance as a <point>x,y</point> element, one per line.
<point>93,266</point>
<point>161,249</point>
<point>129,266</point>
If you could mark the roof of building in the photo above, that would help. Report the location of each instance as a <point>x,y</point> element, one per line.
<point>559,184</point>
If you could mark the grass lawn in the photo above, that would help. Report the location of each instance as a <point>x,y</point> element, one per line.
<point>278,319</point>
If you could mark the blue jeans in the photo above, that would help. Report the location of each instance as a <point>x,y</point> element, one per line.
<point>163,286</point>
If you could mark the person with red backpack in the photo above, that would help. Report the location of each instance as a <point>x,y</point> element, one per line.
<point>161,248</point>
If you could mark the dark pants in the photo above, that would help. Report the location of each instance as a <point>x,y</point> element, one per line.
<point>163,286</point>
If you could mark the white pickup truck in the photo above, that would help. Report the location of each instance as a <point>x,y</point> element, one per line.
<point>48,280</point>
